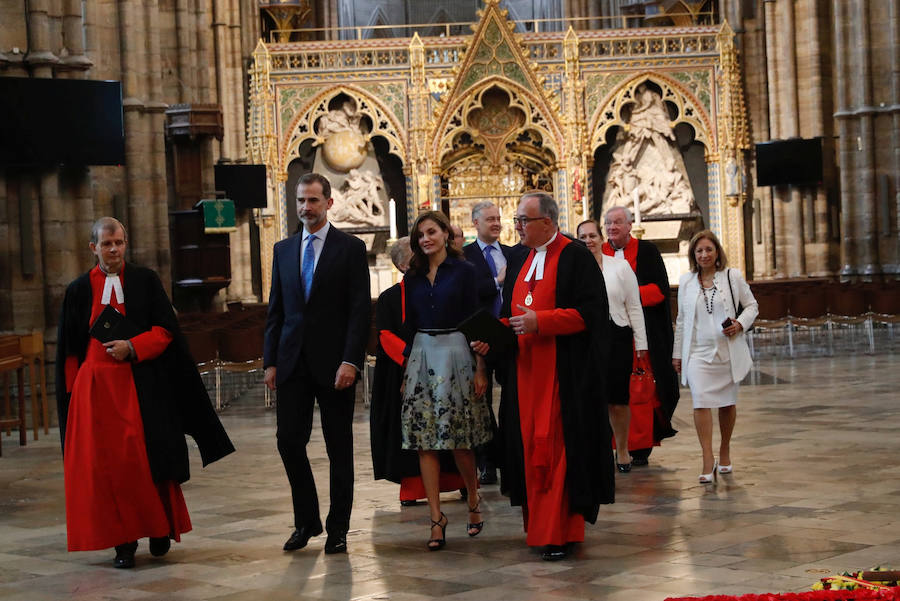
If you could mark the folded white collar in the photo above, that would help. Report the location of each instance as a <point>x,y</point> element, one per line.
<point>112,284</point>
<point>537,265</point>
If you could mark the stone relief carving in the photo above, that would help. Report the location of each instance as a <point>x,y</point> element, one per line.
<point>647,165</point>
<point>357,201</point>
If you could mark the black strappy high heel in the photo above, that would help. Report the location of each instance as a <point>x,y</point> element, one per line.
<point>436,544</point>
<point>477,526</point>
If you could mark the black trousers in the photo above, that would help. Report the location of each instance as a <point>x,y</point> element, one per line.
<point>295,399</point>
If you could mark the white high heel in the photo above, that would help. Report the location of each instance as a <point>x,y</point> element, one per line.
<point>726,469</point>
<point>710,477</point>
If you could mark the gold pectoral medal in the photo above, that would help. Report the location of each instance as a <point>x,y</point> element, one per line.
<point>528,299</point>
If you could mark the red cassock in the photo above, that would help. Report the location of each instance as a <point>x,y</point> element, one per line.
<point>547,517</point>
<point>111,497</point>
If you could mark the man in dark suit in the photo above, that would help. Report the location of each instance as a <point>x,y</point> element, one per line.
<point>316,332</point>
<point>489,258</point>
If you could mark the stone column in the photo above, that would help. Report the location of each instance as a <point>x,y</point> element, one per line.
<point>819,243</point>
<point>141,220</point>
<point>846,146</point>
<point>867,260</point>
<point>774,58</point>
<point>894,17</point>
<point>792,234</point>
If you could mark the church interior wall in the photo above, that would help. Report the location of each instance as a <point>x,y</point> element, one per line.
<point>810,68</point>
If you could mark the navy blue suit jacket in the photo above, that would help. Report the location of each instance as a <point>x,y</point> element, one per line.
<point>329,327</point>
<point>485,284</point>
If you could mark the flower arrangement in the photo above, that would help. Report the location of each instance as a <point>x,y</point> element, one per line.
<point>877,578</point>
<point>877,584</point>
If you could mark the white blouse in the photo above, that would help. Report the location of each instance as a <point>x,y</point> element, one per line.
<point>624,298</point>
<point>709,342</point>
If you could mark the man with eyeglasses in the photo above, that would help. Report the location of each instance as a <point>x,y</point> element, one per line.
<point>653,282</point>
<point>490,259</point>
<point>554,430</point>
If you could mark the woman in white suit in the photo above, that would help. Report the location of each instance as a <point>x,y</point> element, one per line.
<point>629,336</point>
<point>715,309</point>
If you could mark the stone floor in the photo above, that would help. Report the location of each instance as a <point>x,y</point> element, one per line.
<point>816,489</point>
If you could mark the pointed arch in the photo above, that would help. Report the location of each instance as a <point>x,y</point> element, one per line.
<point>379,17</point>
<point>690,109</point>
<point>302,126</point>
<point>454,119</point>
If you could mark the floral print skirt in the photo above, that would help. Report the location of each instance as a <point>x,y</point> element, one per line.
<point>439,410</point>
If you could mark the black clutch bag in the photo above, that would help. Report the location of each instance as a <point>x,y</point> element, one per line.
<point>112,325</point>
<point>483,326</point>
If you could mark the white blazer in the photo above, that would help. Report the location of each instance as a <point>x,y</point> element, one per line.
<point>688,291</point>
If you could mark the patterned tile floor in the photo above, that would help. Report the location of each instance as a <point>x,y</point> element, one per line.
<point>816,489</point>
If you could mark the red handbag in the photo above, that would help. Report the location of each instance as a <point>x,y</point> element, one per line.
<point>643,402</point>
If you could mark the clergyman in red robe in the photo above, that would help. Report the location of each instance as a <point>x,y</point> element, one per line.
<point>558,462</point>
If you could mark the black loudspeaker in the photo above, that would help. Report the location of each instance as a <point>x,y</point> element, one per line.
<point>795,161</point>
<point>244,184</point>
<point>49,122</point>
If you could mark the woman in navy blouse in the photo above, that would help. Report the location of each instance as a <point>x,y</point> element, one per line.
<point>443,406</point>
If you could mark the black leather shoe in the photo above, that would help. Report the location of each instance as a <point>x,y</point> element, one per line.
<point>554,552</point>
<point>336,543</point>
<point>488,476</point>
<point>301,537</point>
<point>159,546</point>
<point>624,468</point>
<point>409,503</point>
<point>125,555</point>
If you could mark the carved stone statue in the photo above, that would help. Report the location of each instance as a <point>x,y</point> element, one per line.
<point>647,163</point>
<point>357,203</point>
<point>344,145</point>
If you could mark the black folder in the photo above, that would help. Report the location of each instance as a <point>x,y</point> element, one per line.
<point>112,325</point>
<point>483,326</point>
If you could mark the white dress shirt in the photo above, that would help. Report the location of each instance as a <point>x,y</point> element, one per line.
<point>624,298</point>
<point>318,245</point>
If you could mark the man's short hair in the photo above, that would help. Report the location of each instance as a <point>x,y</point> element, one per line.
<point>308,178</point>
<point>547,205</point>
<point>628,216</point>
<point>106,224</point>
<point>400,250</point>
<point>478,208</point>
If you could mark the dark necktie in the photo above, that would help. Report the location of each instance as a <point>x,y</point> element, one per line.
<point>488,256</point>
<point>309,264</point>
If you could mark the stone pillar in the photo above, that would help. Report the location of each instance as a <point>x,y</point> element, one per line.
<point>791,236</point>
<point>867,260</point>
<point>72,35</point>
<point>141,221</point>
<point>846,146</point>
<point>774,58</point>
<point>891,261</point>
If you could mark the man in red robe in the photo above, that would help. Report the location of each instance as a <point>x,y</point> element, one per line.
<point>653,281</point>
<point>125,406</point>
<point>558,460</point>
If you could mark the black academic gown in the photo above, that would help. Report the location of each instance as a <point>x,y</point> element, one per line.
<point>389,460</point>
<point>582,388</point>
<point>171,394</point>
